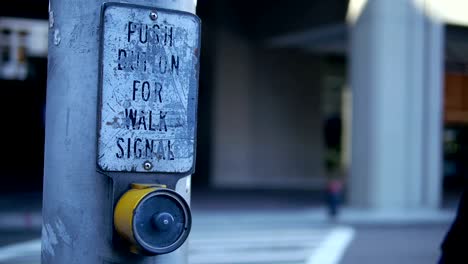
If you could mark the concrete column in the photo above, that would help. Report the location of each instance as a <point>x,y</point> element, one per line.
<point>396,80</point>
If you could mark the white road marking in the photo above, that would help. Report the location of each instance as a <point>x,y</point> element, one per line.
<point>269,244</point>
<point>332,249</point>
<point>29,248</point>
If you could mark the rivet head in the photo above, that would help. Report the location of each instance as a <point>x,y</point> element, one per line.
<point>147,165</point>
<point>153,15</point>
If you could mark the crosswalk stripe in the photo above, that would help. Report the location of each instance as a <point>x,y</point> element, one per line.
<point>332,249</point>
<point>266,243</point>
<point>239,243</point>
<point>257,236</point>
<point>26,249</point>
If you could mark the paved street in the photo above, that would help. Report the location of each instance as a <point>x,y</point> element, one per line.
<point>417,244</point>
<point>269,237</point>
<point>284,237</point>
<point>253,228</point>
<point>266,237</point>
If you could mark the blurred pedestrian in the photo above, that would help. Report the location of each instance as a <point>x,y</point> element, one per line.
<point>335,181</point>
<point>335,184</point>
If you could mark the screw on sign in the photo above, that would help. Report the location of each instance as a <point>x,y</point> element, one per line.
<point>148,165</point>
<point>154,15</point>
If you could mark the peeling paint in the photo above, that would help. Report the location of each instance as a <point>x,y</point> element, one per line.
<point>52,235</point>
<point>62,232</point>
<point>57,37</point>
<point>49,239</point>
<point>51,18</point>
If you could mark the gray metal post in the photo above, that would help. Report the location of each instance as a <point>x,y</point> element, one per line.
<point>77,201</point>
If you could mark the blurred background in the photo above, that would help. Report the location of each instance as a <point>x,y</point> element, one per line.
<point>344,122</point>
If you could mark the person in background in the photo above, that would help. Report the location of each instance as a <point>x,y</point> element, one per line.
<point>334,189</point>
<point>335,184</point>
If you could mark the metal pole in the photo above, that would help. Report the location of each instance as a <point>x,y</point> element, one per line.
<point>77,202</point>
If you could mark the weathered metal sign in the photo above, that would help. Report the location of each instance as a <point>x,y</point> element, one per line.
<point>149,85</point>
